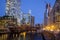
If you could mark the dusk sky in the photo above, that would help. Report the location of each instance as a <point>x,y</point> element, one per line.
<point>37,8</point>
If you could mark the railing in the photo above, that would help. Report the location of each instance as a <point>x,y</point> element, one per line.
<point>19,29</point>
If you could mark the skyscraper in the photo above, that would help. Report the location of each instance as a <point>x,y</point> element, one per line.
<point>56,13</point>
<point>47,15</point>
<point>13,9</point>
<point>32,21</point>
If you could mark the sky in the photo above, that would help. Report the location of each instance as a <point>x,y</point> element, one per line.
<point>37,8</point>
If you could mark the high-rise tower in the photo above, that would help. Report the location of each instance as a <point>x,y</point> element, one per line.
<point>48,7</point>
<point>13,8</point>
<point>56,13</point>
<point>47,15</point>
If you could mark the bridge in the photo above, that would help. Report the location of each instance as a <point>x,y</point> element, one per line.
<point>19,29</point>
<point>14,31</point>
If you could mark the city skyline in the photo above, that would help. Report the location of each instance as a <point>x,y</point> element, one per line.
<point>37,10</point>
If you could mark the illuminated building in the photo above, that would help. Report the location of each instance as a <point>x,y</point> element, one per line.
<point>13,9</point>
<point>27,19</point>
<point>56,13</point>
<point>47,15</point>
<point>7,20</point>
<point>32,20</point>
<point>54,18</point>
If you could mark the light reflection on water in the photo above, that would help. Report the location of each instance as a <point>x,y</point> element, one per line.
<point>20,37</point>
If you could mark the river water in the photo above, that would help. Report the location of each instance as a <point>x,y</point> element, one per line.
<point>21,37</point>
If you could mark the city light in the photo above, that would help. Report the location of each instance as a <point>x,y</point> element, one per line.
<point>17,24</point>
<point>51,28</point>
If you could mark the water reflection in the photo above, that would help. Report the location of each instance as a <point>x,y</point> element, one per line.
<point>21,37</point>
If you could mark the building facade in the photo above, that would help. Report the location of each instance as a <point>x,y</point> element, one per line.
<point>47,15</point>
<point>32,20</point>
<point>57,13</point>
<point>13,9</point>
<point>27,19</point>
<point>6,21</point>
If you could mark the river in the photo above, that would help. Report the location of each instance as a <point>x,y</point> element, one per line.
<point>21,37</point>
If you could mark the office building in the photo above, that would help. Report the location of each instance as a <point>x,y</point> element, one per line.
<point>13,9</point>
<point>56,13</point>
